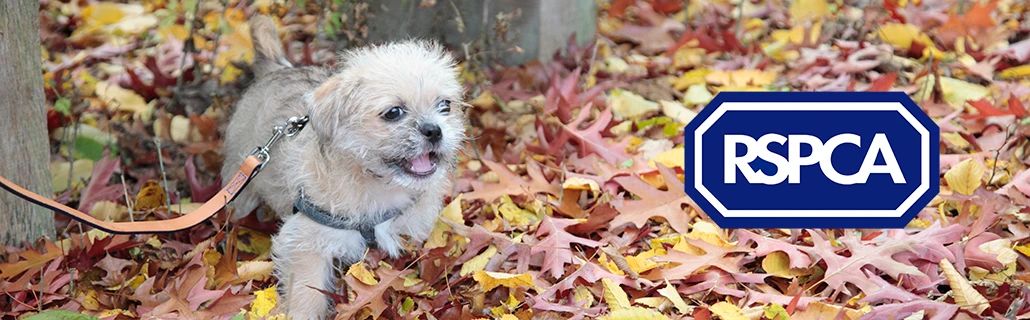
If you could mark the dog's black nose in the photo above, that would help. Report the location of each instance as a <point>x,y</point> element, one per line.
<point>431,131</point>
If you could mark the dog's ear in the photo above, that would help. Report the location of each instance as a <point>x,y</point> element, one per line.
<point>324,106</point>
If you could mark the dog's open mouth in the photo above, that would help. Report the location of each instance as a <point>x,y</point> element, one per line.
<point>421,166</point>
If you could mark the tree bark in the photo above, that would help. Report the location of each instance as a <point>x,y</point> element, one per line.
<point>24,147</point>
<point>510,31</point>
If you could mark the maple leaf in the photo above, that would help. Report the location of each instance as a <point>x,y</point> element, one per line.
<point>841,270</point>
<point>653,202</point>
<point>687,264</point>
<point>556,244</point>
<point>973,23</point>
<point>371,296</point>
<point>589,140</point>
<point>767,245</point>
<point>185,294</point>
<point>564,94</point>
<point>30,260</point>
<point>510,183</point>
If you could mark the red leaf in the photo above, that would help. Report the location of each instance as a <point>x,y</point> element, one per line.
<point>1016,107</point>
<point>98,188</point>
<point>199,192</point>
<point>884,82</point>
<point>653,202</point>
<point>510,183</point>
<point>556,245</point>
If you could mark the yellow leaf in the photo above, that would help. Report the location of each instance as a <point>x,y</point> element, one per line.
<point>583,296</point>
<point>151,196</point>
<point>452,212</point>
<point>360,272</point>
<point>777,263</point>
<point>687,56</point>
<point>484,101</point>
<point>955,139</point>
<point>1024,249</point>
<point>88,300</point>
<point>515,215</point>
<point>614,296</point>
<point>677,111</point>
<point>478,263</point>
<point>642,262</point>
<point>672,158</point>
<point>109,211</point>
<point>809,10</point>
<point>669,292</point>
<point>726,311</point>
<point>964,294</point>
<point>690,78</point>
<point>697,95</point>
<point>634,313</point>
<point>80,171</point>
<point>709,232</point>
<point>899,35</point>
<point>742,80</point>
<point>253,270</point>
<point>615,65</point>
<point>966,176</point>
<point>1002,249</point>
<point>775,311</point>
<point>121,99</point>
<point>626,104</point>
<point>264,301</point>
<point>579,183</point>
<point>489,280</point>
<point>607,263</point>
<point>956,92</point>
<point>1015,72</point>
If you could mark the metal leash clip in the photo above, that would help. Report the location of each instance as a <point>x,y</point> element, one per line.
<point>292,127</point>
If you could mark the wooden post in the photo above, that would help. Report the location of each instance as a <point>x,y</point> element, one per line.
<point>508,31</point>
<point>24,149</point>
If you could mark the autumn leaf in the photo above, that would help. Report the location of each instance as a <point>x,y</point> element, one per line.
<point>653,202</point>
<point>966,176</point>
<point>489,280</point>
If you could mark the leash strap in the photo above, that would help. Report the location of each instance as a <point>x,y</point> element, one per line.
<point>248,170</point>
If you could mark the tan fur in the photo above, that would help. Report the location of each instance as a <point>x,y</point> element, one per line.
<point>345,159</point>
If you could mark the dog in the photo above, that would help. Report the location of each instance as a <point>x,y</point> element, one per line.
<point>372,167</point>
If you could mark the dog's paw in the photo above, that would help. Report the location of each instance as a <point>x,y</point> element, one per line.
<point>388,240</point>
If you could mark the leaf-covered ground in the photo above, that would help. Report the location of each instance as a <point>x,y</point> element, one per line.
<point>568,202</point>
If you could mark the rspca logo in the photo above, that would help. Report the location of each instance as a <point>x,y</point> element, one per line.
<point>812,159</point>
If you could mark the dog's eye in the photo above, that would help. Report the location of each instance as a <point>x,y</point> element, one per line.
<point>444,106</point>
<point>395,113</point>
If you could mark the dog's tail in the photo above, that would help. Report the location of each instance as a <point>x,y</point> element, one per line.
<point>268,49</point>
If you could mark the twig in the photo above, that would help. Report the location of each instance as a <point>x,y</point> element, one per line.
<point>997,152</point>
<point>187,50</point>
<point>125,191</point>
<point>164,175</point>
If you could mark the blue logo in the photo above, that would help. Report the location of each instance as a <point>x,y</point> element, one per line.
<point>812,159</point>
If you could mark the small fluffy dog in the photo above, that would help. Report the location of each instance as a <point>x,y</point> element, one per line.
<point>370,170</point>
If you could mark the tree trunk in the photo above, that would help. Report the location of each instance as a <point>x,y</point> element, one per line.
<point>508,31</point>
<point>25,148</point>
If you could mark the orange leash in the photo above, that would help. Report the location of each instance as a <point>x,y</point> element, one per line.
<point>251,166</point>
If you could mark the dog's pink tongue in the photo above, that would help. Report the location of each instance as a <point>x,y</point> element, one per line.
<point>422,164</point>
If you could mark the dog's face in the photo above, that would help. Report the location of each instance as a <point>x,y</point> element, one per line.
<point>397,108</point>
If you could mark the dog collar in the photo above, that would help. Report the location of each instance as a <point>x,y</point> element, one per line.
<point>364,226</point>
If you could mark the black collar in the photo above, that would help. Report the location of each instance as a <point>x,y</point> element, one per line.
<point>365,226</point>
